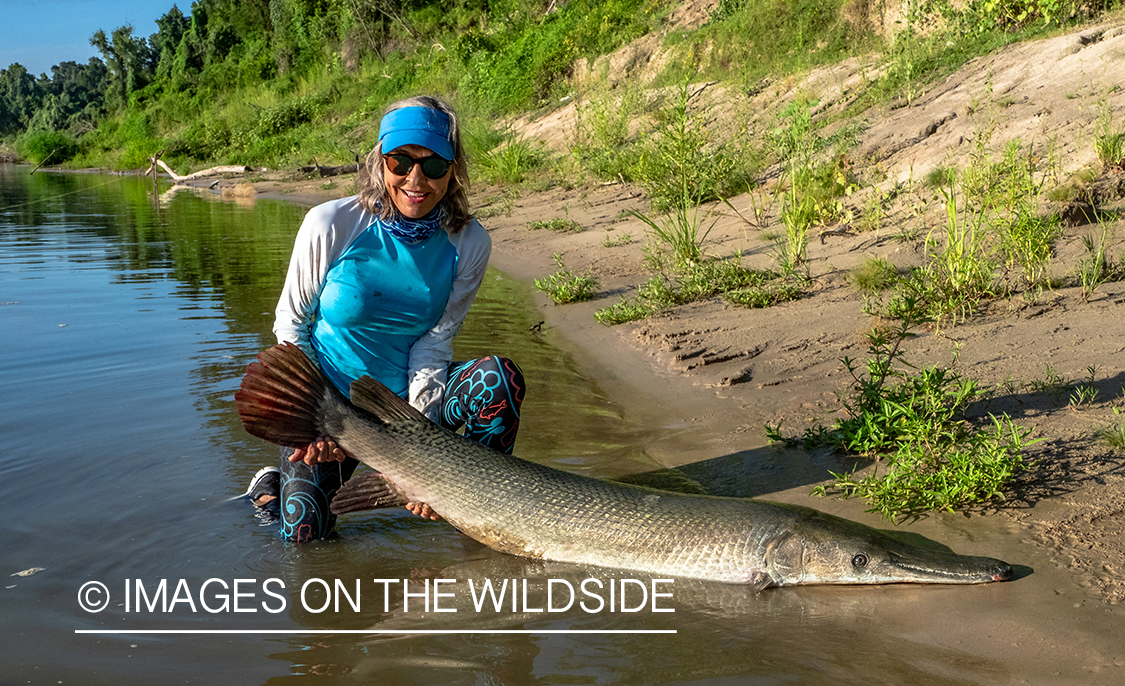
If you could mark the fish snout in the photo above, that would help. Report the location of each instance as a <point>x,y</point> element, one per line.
<point>1002,572</point>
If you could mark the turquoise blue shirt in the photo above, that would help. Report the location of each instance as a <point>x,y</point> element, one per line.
<point>379,298</point>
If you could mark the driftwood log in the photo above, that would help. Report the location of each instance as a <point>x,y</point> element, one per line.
<point>155,161</point>
<point>329,171</point>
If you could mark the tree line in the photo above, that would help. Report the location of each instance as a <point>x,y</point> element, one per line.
<point>259,39</point>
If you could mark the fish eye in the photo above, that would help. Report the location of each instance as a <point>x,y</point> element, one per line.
<point>860,560</point>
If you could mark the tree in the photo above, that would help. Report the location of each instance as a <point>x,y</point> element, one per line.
<point>20,95</point>
<point>130,62</point>
<point>170,31</point>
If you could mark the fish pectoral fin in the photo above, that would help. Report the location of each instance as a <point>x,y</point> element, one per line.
<point>760,582</point>
<point>370,491</point>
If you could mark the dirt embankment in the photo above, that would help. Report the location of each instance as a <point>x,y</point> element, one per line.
<point>723,372</point>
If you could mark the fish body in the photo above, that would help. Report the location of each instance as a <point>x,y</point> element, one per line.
<point>523,508</point>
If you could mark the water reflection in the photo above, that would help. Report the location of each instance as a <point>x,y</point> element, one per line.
<point>126,322</point>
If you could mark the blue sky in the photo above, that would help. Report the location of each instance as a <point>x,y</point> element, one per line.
<point>41,33</point>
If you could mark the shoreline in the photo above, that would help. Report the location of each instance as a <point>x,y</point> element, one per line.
<point>1060,615</point>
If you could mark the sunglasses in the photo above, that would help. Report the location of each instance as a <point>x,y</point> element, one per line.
<point>401,164</point>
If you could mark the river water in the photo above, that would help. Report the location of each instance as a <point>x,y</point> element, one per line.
<point>127,318</point>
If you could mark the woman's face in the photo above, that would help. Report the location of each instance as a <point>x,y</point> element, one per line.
<point>415,195</point>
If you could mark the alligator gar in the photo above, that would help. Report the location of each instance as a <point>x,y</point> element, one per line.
<point>532,510</point>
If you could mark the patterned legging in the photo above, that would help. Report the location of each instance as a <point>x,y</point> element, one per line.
<point>484,396</point>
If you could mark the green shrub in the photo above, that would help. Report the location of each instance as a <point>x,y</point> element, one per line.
<point>564,286</point>
<point>912,423</point>
<point>52,147</point>
<point>510,163</point>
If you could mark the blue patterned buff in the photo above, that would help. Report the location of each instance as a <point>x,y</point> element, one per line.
<point>413,231</point>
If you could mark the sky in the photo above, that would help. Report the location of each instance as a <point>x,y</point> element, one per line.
<point>41,33</point>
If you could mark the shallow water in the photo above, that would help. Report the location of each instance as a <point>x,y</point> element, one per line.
<point>127,320</point>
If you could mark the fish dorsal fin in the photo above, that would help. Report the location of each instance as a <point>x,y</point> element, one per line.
<point>377,400</point>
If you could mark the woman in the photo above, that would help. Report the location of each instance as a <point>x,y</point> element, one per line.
<point>378,285</point>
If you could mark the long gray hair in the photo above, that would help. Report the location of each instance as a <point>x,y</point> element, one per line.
<point>373,195</point>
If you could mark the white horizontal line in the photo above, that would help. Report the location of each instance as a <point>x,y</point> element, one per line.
<point>372,632</point>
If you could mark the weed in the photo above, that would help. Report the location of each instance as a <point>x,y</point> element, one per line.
<point>680,230</point>
<point>1109,143</point>
<point>874,274</point>
<point>615,242</point>
<point>938,177</point>
<point>1095,269</point>
<point>1114,435</point>
<point>624,311</point>
<point>509,163</point>
<point>1110,149</point>
<point>602,134</point>
<point>566,287</point>
<point>1085,394</point>
<point>958,274</point>
<point>1051,384</point>
<point>913,420</point>
<point>791,248</point>
<point>1027,241</point>
<point>558,225</point>
<point>679,283</point>
<point>766,295</point>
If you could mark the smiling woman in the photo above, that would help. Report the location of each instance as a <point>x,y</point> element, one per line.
<point>378,286</point>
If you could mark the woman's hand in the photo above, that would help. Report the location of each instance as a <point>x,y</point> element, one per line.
<point>423,510</point>
<point>318,452</point>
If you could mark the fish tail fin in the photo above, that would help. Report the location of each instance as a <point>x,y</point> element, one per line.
<point>281,396</point>
<point>384,406</point>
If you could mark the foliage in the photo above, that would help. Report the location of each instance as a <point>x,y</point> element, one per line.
<point>1114,435</point>
<point>913,420</point>
<point>678,165</point>
<point>44,147</point>
<point>509,163</point>
<point>873,275</point>
<point>747,40</point>
<point>564,286</point>
<point>617,241</point>
<point>980,16</point>
<point>679,231</point>
<point>1097,267</point>
<point>677,283</point>
<point>1109,143</point>
<point>200,76</point>
<point>558,224</point>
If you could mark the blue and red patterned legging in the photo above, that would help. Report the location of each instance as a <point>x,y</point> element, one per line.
<point>483,395</point>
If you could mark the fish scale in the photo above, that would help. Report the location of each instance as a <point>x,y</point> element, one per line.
<point>532,510</point>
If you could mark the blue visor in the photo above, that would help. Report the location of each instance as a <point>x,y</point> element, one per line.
<point>422,126</point>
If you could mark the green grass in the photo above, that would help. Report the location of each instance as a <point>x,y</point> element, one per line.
<point>873,275</point>
<point>911,422</point>
<point>564,286</point>
<point>611,241</point>
<point>680,283</point>
<point>558,225</point>
<point>510,163</point>
<point>1114,436</point>
<point>624,312</point>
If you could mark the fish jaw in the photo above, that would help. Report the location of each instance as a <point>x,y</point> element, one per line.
<point>822,549</point>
